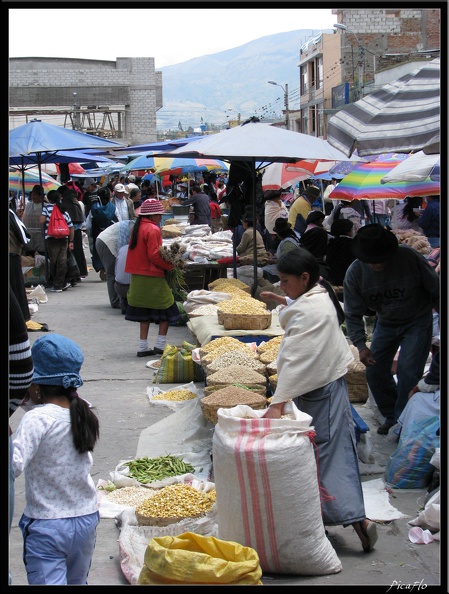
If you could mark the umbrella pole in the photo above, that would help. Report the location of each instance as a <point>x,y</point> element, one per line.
<point>254,177</point>
<point>47,274</point>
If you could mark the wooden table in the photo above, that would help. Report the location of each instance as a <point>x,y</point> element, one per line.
<point>198,276</point>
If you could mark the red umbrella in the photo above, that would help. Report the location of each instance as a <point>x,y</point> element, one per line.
<point>282,175</point>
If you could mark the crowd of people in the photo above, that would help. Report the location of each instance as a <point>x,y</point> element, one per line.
<point>309,251</point>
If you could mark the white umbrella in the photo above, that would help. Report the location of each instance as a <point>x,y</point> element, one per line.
<point>252,146</point>
<point>415,168</point>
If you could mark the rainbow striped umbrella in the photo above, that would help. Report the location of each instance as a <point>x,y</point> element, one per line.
<point>364,182</point>
<point>31,179</point>
<point>181,165</point>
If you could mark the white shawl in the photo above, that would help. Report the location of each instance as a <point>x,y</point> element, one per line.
<point>314,351</point>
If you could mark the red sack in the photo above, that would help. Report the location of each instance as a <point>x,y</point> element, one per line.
<point>57,225</point>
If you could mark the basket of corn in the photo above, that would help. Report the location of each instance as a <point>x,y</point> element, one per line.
<point>173,504</point>
<point>228,397</point>
<point>218,346</point>
<point>243,314</point>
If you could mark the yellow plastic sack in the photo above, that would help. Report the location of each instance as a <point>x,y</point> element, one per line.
<point>177,366</point>
<point>195,559</point>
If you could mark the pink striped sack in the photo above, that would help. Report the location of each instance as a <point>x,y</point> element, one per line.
<point>268,495</point>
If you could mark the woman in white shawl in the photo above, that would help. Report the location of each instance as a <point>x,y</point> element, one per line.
<point>311,365</point>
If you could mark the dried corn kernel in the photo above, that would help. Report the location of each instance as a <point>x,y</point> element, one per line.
<point>175,395</point>
<point>178,500</point>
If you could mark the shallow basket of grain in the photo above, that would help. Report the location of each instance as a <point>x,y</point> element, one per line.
<point>228,397</point>
<point>173,504</point>
<point>256,321</point>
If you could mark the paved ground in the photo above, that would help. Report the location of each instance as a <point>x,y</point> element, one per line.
<point>115,383</point>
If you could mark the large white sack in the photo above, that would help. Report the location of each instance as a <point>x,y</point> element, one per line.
<point>267,490</point>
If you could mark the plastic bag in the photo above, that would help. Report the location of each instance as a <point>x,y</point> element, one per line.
<point>195,559</point>
<point>409,466</point>
<point>177,366</point>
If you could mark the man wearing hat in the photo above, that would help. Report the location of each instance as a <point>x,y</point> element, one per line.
<point>301,208</point>
<point>339,254</point>
<point>90,195</point>
<point>124,207</point>
<point>397,283</point>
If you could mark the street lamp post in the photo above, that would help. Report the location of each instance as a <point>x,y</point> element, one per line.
<point>285,89</point>
<point>361,56</point>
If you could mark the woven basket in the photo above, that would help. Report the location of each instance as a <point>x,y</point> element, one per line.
<point>357,386</point>
<point>210,410</point>
<point>255,389</point>
<point>232,321</point>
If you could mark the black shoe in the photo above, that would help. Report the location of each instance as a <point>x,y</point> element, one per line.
<point>158,351</point>
<point>145,353</point>
<point>385,428</point>
<point>66,286</point>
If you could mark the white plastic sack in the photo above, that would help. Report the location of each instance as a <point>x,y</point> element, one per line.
<point>267,490</point>
<point>200,297</point>
<point>429,517</point>
<point>153,391</point>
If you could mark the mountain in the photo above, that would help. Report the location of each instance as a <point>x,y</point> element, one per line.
<point>217,87</point>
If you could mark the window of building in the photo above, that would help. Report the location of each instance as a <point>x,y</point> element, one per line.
<point>304,79</point>
<point>320,72</point>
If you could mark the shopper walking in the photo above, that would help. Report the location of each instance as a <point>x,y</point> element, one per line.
<point>149,298</point>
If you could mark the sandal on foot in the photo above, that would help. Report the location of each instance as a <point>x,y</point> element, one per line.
<point>370,532</point>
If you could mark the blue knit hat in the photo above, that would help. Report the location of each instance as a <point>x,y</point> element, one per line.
<point>57,361</point>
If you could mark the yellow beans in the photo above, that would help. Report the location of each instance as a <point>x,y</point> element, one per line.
<point>175,395</point>
<point>177,500</point>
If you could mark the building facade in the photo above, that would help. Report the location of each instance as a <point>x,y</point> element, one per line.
<point>118,100</point>
<point>375,47</point>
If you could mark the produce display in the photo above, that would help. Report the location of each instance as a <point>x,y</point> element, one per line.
<point>146,470</point>
<point>177,501</point>
<point>175,395</point>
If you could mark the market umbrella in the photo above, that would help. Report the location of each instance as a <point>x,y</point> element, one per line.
<point>402,116</point>
<point>364,182</point>
<point>283,175</point>
<point>416,167</point>
<point>254,144</point>
<point>40,138</point>
<point>178,166</point>
<point>25,181</point>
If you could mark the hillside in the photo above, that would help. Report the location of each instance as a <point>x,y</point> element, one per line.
<point>217,87</point>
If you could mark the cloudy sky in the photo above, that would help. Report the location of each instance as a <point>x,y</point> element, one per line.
<point>170,35</point>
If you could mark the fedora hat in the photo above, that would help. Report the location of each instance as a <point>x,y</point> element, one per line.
<point>281,225</point>
<point>312,192</point>
<point>374,244</point>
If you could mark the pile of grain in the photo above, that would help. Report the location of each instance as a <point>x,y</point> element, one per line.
<point>236,374</point>
<point>209,309</point>
<point>222,284</point>
<point>218,346</point>
<point>130,496</point>
<point>228,397</point>
<point>235,358</point>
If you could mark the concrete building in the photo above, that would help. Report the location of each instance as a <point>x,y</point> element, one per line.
<point>117,100</point>
<point>375,47</point>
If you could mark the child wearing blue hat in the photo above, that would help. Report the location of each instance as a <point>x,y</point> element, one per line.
<point>53,445</point>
